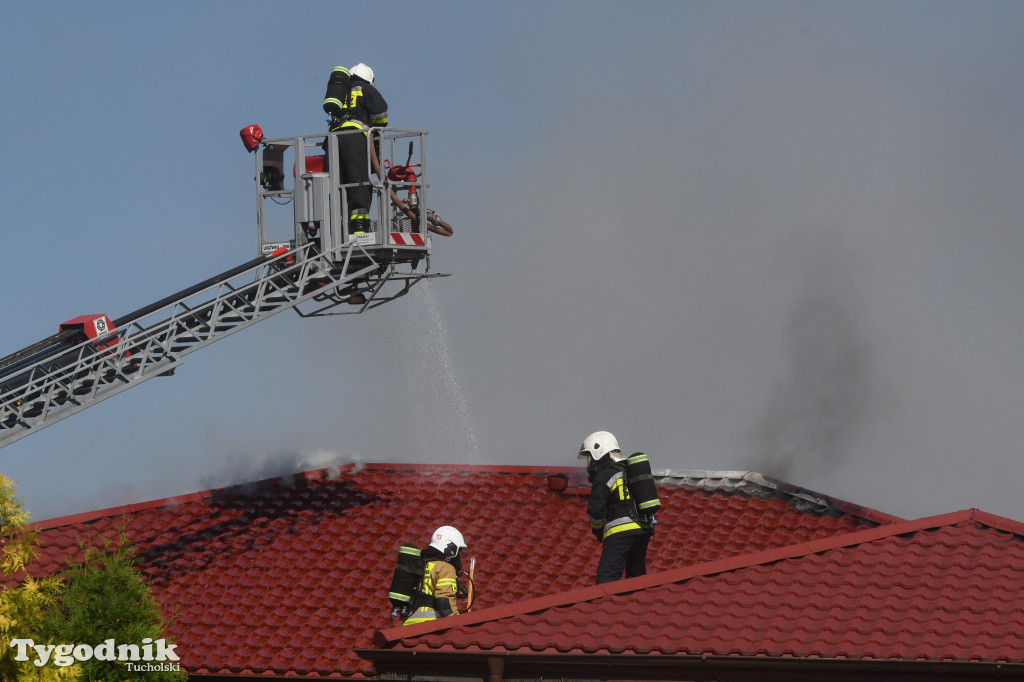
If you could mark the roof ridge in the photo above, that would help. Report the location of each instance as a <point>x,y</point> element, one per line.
<point>701,478</point>
<point>85,517</point>
<point>329,472</point>
<point>998,522</point>
<point>801,498</point>
<point>459,466</point>
<point>388,635</point>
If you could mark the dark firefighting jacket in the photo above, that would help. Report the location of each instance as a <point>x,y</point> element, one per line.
<point>610,507</point>
<point>364,107</point>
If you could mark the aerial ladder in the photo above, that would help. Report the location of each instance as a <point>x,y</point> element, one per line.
<point>308,261</point>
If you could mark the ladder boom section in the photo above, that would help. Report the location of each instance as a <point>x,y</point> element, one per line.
<point>315,258</point>
<point>37,351</point>
<point>39,389</point>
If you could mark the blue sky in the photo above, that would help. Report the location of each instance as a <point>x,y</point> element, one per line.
<point>781,236</point>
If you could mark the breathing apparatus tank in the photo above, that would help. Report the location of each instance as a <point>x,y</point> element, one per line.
<point>407,577</point>
<point>641,484</point>
<point>336,97</point>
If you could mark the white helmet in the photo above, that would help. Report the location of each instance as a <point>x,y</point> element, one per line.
<point>363,71</point>
<point>448,541</point>
<point>598,444</point>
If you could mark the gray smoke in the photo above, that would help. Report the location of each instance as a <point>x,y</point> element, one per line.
<point>243,468</point>
<point>823,399</point>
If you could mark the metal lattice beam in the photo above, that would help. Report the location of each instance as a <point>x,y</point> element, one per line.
<point>155,343</point>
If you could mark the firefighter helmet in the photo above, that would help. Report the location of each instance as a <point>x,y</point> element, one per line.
<point>448,541</point>
<point>598,445</point>
<point>363,71</point>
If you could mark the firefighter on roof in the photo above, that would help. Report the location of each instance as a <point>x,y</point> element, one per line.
<point>441,564</point>
<point>615,516</point>
<point>353,103</point>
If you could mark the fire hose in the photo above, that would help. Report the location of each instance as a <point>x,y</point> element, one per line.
<point>406,173</point>
<point>468,592</point>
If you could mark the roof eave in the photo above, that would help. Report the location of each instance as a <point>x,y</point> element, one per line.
<point>480,664</point>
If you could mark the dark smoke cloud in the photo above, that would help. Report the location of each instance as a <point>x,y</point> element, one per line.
<point>824,397</point>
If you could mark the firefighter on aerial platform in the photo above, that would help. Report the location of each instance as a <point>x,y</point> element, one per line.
<point>614,519</point>
<point>354,103</point>
<point>441,565</point>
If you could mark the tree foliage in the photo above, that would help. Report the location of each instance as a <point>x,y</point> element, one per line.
<point>105,597</point>
<point>101,597</point>
<point>22,608</point>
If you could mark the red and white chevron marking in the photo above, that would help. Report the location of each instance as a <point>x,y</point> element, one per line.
<point>407,239</point>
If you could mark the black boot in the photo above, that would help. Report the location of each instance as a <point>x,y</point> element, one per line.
<point>359,221</point>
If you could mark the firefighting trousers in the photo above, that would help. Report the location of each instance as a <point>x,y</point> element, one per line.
<point>619,553</point>
<point>352,150</point>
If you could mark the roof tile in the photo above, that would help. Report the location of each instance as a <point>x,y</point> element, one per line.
<point>287,575</point>
<point>898,592</point>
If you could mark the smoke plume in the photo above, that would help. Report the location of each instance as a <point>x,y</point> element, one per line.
<point>822,400</point>
<point>243,468</point>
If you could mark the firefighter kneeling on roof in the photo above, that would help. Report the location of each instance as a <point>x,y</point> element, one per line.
<point>622,505</point>
<point>426,583</point>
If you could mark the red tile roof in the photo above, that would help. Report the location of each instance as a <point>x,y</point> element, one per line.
<point>288,576</point>
<point>906,597</point>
